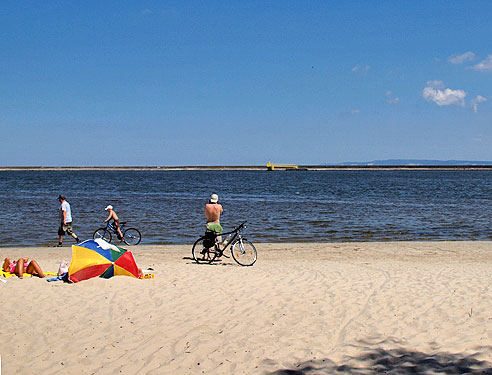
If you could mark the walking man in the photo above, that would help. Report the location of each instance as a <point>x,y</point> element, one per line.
<point>65,220</point>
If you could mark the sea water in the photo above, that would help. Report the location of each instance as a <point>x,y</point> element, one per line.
<point>280,206</point>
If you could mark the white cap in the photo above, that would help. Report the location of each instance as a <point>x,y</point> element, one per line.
<point>214,198</point>
<point>109,207</point>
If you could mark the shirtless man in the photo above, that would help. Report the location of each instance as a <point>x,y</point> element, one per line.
<point>116,220</point>
<point>212,213</point>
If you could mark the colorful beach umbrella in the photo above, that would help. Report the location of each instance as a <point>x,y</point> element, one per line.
<point>93,258</point>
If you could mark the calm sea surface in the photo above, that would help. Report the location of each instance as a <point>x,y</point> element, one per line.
<point>280,206</point>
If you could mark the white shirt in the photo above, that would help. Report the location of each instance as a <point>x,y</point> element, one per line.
<point>65,206</point>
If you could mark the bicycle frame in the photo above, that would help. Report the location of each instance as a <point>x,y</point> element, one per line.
<point>242,250</point>
<point>110,227</point>
<point>130,236</point>
<point>237,234</point>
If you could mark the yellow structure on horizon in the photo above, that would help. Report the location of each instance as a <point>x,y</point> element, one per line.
<point>272,167</point>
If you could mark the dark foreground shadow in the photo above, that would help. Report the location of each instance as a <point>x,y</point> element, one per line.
<point>395,362</point>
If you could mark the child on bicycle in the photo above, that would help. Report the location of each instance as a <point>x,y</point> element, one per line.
<point>116,220</point>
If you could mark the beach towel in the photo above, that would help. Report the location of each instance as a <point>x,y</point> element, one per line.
<point>8,274</point>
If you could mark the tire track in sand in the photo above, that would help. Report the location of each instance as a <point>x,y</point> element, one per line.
<point>342,332</point>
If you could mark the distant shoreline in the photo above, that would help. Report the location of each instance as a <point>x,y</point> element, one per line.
<point>249,168</point>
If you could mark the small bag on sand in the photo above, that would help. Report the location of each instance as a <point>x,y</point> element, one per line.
<point>63,269</point>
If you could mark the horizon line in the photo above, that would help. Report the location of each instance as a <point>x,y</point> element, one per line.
<point>313,167</point>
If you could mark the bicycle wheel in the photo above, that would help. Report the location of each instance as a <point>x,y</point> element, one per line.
<point>102,233</point>
<point>244,252</point>
<point>132,236</point>
<point>202,254</point>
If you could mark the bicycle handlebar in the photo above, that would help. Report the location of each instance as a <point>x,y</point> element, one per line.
<point>236,229</point>
<point>241,225</point>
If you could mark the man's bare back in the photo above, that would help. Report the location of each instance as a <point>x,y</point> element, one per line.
<point>213,209</point>
<point>212,212</point>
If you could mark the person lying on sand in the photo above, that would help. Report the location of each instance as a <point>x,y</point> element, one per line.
<point>22,266</point>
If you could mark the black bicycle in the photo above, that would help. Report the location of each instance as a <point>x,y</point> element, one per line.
<point>131,236</point>
<point>207,248</point>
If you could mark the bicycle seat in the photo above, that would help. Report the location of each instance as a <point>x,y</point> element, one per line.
<point>122,222</point>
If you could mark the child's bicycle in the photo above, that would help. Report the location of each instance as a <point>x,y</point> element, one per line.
<point>207,248</point>
<point>131,236</point>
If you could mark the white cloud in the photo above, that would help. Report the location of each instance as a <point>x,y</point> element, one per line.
<point>443,97</point>
<point>390,98</point>
<point>436,84</point>
<point>460,59</point>
<point>474,102</point>
<point>355,111</point>
<point>484,65</point>
<point>361,68</point>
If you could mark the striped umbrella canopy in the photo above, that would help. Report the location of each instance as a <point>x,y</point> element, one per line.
<point>92,258</point>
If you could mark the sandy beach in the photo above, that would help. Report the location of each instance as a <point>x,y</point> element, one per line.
<point>308,308</point>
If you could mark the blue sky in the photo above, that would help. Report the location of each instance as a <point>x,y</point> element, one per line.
<point>244,82</point>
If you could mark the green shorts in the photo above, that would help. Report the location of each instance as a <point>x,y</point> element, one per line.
<point>216,227</point>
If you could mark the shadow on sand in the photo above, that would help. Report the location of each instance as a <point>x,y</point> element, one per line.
<point>216,262</point>
<point>395,362</point>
